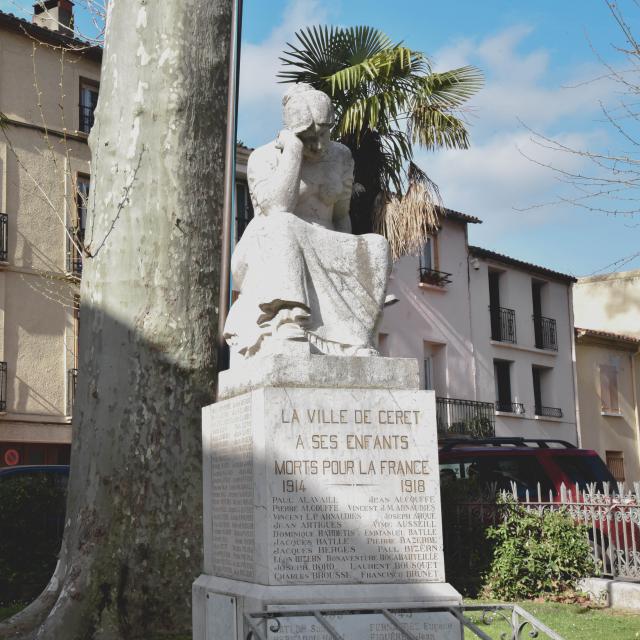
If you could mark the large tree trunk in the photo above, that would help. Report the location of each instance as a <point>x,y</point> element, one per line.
<point>133,541</point>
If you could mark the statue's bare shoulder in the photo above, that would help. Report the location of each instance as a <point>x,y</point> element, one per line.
<point>342,154</point>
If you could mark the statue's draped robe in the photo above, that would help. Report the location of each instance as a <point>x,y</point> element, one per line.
<point>287,269</point>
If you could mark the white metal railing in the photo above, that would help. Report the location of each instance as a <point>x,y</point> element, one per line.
<point>612,519</point>
<point>268,625</point>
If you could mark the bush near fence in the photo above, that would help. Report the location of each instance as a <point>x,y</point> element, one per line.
<point>536,553</point>
<point>610,522</point>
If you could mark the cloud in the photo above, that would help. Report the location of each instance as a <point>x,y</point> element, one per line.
<point>260,92</point>
<point>517,85</point>
<point>494,179</point>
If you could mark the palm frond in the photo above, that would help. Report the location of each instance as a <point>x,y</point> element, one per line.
<point>450,89</point>
<point>376,86</point>
<point>407,221</point>
<point>433,128</point>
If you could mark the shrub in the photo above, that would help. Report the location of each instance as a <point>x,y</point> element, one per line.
<point>32,518</point>
<point>536,553</point>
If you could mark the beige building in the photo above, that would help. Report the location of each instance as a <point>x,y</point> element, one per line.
<point>48,90</point>
<point>608,367</point>
<point>608,307</point>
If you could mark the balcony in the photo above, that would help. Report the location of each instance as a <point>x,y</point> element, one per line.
<point>546,336</point>
<point>72,379</point>
<point>3,387</point>
<point>4,237</point>
<point>548,412</point>
<point>434,277</point>
<point>503,324</point>
<point>510,407</point>
<point>470,418</point>
<point>86,117</point>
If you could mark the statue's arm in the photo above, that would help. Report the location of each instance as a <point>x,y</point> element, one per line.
<point>341,219</point>
<point>273,173</point>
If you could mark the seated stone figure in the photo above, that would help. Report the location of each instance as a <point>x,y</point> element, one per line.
<point>302,275</point>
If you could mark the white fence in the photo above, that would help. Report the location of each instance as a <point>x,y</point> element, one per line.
<point>612,519</point>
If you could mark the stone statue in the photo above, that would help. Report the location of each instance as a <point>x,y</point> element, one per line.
<point>302,276</point>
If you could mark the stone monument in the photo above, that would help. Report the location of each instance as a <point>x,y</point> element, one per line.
<point>321,484</point>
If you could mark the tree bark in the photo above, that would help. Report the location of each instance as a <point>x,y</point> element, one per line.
<point>133,536</point>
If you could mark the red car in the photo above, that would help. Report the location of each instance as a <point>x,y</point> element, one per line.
<point>538,467</point>
<point>548,473</point>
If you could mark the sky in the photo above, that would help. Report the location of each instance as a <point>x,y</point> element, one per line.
<point>541,62</point>
<point>543,66</point>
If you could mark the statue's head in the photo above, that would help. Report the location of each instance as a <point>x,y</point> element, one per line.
<point>309,114</point>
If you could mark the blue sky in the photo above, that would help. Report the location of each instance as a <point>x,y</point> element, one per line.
<point>538,59</point>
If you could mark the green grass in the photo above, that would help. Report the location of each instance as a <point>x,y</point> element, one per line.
<point>571,621</point>
<point>7,610</point>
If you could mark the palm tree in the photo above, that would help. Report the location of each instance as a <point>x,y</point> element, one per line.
<point>387,98</point>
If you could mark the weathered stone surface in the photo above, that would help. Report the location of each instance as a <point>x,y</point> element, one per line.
<point>323,486</point>
<point>308,370</point>
<point>247,598</point>
<point>302,275</point>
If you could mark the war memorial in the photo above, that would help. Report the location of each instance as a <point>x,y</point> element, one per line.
<point>321,488</point>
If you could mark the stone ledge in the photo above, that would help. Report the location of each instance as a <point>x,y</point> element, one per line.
<point>319,371</point>
<point>337,596</point>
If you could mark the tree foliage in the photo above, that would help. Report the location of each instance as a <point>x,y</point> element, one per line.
<point>387,98</point>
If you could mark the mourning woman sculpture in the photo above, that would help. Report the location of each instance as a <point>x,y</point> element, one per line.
<point>302,275</point>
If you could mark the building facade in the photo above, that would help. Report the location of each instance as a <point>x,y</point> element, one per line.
<point>48,90</point>
<point>608,391</point>
<point>607,308</point>
<point>494,334</point>
<point>609,302</point>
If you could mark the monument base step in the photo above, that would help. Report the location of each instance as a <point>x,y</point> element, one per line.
<point>219,606</point>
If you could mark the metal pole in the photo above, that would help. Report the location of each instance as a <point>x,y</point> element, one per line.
<point>229,180</point>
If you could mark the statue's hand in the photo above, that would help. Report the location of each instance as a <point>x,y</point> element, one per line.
<point>287,139</point>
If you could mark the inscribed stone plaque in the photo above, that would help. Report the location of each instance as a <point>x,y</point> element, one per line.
<point>231,445</point>
<point>370,626</point>
<point>354,486</point>
<point>325,486</point>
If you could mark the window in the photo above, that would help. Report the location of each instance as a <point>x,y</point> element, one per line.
<point>428,265</point>
<point>609,388</point>
<point>244,209</point>
<point>75,235</point>
<point>426,256</point>
<point>88,102</point>
<point>615,462</point>
<point>502,371</point>
<point>434,367</point>
<point>83,184</point>
<point>428,373</point>
<point>543,391</point>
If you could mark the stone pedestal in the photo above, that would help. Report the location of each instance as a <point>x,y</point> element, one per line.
<point>321,491</point>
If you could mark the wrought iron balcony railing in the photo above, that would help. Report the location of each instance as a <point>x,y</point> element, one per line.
<point>86,117</point>
<point>545,333</point>
<point>548,412</point>
<point>434,277</point>
<point>503,324</point>
<point>457,417</point>
<point>4,237</point>
<point>3,387</point>
<point>72,379</point>
<point>510,407</point>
